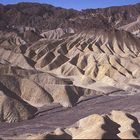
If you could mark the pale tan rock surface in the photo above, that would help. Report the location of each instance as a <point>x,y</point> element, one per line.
<point>68,69</point>
<point>13,108</point>
<point>116,125</point>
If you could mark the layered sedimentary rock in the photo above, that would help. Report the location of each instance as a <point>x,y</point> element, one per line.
<point>55,60</point>
<point>72,64</point>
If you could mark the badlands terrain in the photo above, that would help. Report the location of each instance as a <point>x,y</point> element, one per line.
<point>67,74</point>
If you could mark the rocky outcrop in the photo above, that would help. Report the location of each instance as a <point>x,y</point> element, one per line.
<point>117,125</point>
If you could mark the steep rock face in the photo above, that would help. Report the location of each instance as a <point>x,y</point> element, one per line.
<point>13,108</point>
<point>34,94</point>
